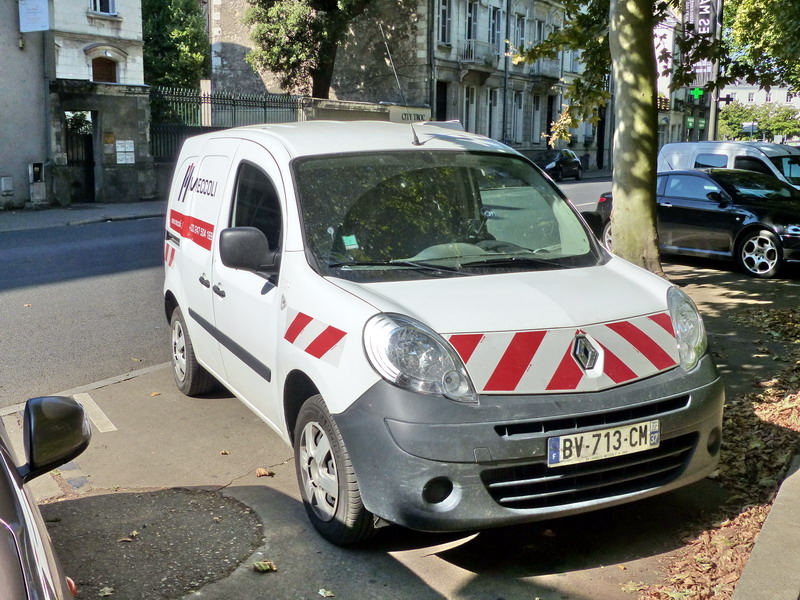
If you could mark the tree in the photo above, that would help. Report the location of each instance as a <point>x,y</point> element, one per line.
<point>176,50</point>
<point>731,118</point>
<point>777,120</point>
<point>298,39</point>
<point>763,34</point>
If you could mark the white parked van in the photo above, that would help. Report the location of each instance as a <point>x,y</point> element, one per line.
<point>777,160</point>
<point>429,323</point>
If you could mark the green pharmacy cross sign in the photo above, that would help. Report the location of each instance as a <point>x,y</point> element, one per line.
<point>697,92</point>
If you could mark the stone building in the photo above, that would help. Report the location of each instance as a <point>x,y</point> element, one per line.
<point>450,55</point>
<point>92,107</point>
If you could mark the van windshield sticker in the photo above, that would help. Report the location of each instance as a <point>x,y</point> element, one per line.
<point>350,242</point>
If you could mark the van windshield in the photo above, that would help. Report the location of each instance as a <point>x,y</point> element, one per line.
<point>789,166</point>
<point>404,215</point>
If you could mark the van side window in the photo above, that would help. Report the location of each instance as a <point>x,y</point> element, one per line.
<point>687,186</point>
<point>710,161</point>
<point>256,204</point>
<point>750,163</point>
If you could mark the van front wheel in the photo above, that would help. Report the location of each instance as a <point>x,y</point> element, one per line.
<point>326,478</point>
<point>191,378</point>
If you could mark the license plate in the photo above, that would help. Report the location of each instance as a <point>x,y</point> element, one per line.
<point>605,443</point>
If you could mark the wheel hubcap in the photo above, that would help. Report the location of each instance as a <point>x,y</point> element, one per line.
<point>759,254</point>
<point>318,471</point>
<point>178,350</point>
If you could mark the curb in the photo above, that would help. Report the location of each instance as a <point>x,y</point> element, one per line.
<point>773,570</point>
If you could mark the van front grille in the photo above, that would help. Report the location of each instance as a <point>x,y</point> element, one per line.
<point>539,486</point>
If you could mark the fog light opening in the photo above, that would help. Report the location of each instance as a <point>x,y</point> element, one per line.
<point>714,441</point>
<point>437,490</point>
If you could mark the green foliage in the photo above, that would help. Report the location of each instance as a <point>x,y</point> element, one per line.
<point>297,39</point>
<point>763,34</point>
<point>176,49</point>
<point>773,119</point>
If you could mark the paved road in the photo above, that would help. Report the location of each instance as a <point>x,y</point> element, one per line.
<point>79,304</point>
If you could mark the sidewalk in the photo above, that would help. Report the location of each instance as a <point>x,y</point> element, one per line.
<point>78,214</point>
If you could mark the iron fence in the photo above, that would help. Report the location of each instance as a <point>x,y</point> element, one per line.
<point>178,113</point>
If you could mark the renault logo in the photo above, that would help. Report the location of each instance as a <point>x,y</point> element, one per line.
<point>584,352</point>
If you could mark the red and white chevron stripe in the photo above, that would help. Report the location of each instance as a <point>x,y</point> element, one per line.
<point>534,362</point>
<point>169,254</point>
<point>316,338</point>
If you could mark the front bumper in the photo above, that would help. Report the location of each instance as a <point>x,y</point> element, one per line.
<point>431,464</point>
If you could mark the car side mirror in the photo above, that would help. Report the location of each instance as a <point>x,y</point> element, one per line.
<point>246,248</point>
<point>55,430</point>
<point>718,198</point>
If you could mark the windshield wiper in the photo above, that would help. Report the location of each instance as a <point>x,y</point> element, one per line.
<point>409,264</point>
<point>513,261</point>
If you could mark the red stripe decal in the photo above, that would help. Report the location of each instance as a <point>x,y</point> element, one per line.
<point>176,221</point>
<point>665,321</point>
<point>296,327</point>
<point>643,343</point>
<point>465,344</point>
<point>617,370</point>
<point>200,232</point>
<point>568,375</point>
<point>516,360</point>
<point>325,341</point>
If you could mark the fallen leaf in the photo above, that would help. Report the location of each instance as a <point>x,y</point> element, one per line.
<point>622,567</point>
<point>262,472</point>
<point>325,593</point>
<point>106,591</point>
<point>133,533</point>
<point>217,519</point>
<point>264,566</point>
<point>27,305</point>
<point>632,587</point>
<point>154,394</point>
<point>224,452</point>
<point>136,359</point>
<point>125,539</point>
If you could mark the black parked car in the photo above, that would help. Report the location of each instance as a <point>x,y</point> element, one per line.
<point>726,213</point>
<point>55,431</point>
<point>559,163</point>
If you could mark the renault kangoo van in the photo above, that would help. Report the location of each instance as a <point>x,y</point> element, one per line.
<point>778,160</point>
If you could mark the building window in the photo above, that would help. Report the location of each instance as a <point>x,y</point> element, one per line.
<point>790,96</point>
<point>445,15</point>
<point>769,97</point>
<point>496,29</point>
<point>472,20</point>
<point>519,32</point>
<point>469,113</point>
<point>751,97</point>
<point>106,7</point>
<point>539,31</point>
<point>104,70</point>
<point>517,117</point>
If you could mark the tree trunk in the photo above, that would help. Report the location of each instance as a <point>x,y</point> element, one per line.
<point>636,133</point>
<point>322,75</point>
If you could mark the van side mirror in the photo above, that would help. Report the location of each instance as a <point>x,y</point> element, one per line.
<point>55,430</point>
<point>246,248</point>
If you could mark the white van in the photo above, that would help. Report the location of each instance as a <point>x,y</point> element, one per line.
<point>429,323</point>
<point>776,160</point>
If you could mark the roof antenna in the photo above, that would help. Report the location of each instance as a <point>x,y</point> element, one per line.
<point>416,141</point>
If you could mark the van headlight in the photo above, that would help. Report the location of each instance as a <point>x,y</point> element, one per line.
<point>412,356</point>
<point>690,333</point>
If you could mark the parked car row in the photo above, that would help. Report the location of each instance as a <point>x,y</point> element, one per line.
<point>747,216</point>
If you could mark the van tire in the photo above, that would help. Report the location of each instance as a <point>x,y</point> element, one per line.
<point>320,456</point>
<point>191,378</point>
<point>759,253</point>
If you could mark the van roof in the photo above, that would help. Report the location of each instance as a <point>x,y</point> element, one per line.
<point>306,138</point>
<point>766,147</point>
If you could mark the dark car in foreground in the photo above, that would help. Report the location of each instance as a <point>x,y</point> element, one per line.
<point>56,430</point>
<point>724,213</point>
<point>559,163</point>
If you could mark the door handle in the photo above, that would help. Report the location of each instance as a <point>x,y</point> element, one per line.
<point>219,291</point>
<point>204,282</point>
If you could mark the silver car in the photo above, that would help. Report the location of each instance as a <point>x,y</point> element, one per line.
<point>56,430</point>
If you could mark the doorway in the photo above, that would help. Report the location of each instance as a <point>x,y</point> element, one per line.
<point>79,144</point>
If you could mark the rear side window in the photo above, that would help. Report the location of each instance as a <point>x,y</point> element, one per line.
<point>709,161</point>
<point>749,163</point>
<point>689,186</point>
<point>256,204</point>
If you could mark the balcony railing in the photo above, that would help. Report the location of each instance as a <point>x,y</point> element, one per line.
<point>478,53</point>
